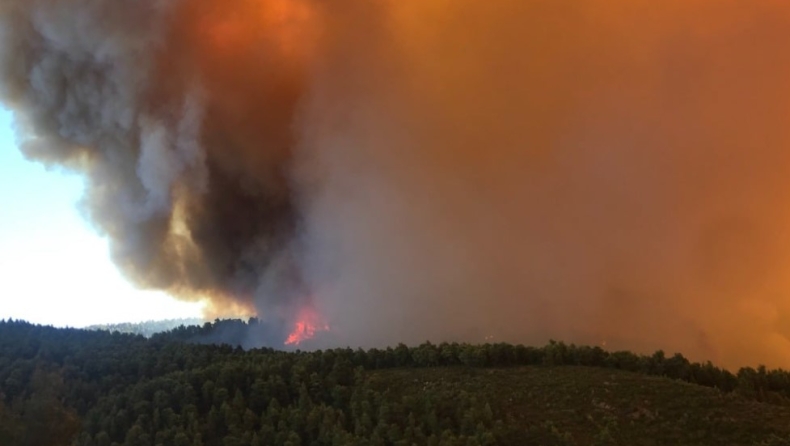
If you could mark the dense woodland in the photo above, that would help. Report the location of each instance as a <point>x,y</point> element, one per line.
<point>147,328</point>
<point>100,388</point>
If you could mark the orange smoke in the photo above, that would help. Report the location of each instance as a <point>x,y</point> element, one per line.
<point>585,170</point>
<point>288,27</point>
<point>441,169</point>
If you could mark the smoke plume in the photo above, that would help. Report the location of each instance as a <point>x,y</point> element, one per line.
<point>593,171</point>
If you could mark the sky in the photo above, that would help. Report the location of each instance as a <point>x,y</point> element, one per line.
<point>54,269</point>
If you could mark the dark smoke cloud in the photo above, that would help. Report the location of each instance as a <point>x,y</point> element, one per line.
<point>180,115</point>
<point>595,171</point>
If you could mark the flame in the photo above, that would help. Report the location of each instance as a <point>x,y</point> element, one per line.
<point>307,324</point>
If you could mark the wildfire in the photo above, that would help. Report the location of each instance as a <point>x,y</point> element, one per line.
<point>308,323</point>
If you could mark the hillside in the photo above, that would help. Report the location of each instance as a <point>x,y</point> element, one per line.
<point>146,328</point>
<point>94,388</point>
<point>572,405</point>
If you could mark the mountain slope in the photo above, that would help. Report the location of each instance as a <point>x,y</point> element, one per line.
<point>569,405</point>
<point>94,388</point>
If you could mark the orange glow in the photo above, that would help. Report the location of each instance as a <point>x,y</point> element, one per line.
<point>290,20</point>
<point>286,25</point>
<point>307,325</point>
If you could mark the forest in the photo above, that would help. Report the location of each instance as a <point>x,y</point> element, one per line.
<point>147,328</point>
<point>106,388</point>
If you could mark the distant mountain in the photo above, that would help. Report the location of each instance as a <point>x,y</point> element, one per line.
<point>147,328</point>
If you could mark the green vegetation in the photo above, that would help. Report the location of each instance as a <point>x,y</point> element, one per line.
<point>98,388</point>
<point>147,328</point>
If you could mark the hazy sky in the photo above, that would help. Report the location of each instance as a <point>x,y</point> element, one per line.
<point>53,268</point>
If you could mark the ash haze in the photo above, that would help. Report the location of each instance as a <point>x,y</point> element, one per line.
<point>54,270</point>
<point>593,171</point>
